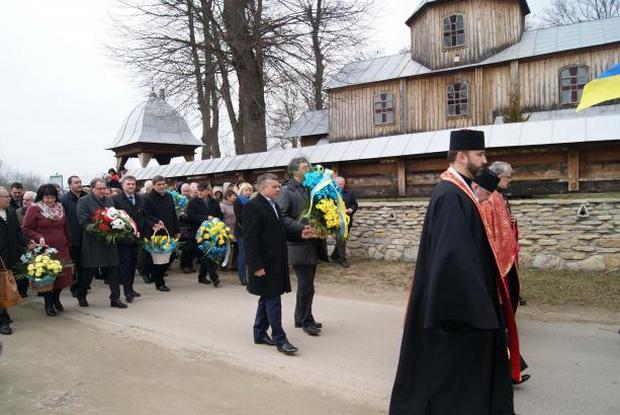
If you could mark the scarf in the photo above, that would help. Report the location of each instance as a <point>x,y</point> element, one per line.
<point>56,212</point>
<point>243,199</point>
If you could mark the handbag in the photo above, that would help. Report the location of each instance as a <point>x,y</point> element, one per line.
<point>9,295</point>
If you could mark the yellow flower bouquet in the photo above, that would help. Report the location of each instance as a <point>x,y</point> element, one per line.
<point>41,267</point>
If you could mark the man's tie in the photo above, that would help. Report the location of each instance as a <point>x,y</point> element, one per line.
<point>273,205</point>
<point>132,201</point>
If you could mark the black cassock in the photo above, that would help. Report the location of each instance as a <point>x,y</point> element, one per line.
<point>453,358</point>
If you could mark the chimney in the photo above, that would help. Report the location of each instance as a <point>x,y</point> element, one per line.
<point>162,94</point>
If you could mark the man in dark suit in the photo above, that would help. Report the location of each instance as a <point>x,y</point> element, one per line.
<point>198,210</point>
<point>130,202</point>
<point>304,255</point>
<point>12,243</point>
<point>97,254</point>
<point>265,234</point>
<point>160,214</point>
<point>340,251</point>
<point>69,202</point>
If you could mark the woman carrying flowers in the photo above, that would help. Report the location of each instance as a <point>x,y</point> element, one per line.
<point>46,223</point>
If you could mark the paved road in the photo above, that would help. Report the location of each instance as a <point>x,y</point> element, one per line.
<point>575,367</point>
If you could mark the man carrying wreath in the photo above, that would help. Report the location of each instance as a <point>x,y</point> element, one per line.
<point>97,253</point>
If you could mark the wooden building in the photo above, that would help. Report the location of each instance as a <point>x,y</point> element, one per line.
<point>471,61</point>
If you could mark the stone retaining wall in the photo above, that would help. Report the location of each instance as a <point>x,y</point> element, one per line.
<point>560,234</point>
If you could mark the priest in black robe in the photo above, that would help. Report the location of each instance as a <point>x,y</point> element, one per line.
<point>453,358</point>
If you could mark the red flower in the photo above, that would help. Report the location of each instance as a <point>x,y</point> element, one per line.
<point>104,227</point>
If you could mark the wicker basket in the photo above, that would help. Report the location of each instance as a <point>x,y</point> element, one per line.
<point>43,285</point>
<point>160,258</point>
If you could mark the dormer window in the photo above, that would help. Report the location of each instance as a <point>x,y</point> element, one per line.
<point>458,99</point>
<point>572,81</point>
<point>384,108</point>
<point>453,31</point>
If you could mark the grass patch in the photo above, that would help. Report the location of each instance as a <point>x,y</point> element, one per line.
<point>591,289</point>
<point>539,287</point>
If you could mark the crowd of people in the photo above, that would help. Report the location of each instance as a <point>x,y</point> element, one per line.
<point>460,346</point>
<point>51,217</point>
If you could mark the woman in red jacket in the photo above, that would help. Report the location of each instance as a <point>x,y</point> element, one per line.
<point>46,223</point>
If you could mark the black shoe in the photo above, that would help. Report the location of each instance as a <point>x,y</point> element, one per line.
<point>315,324</point>
<point>244,283</point>
<point>522,301</point>
<point>524,378</point>
<point>117,304</point>
<point>146,279</point>
<point>287,348</point>
<point>24,295</point>
<point>49,310</point>
<point>163,288</point>
<point>129,298</point>
<point>265,340</point>
<point>216,282</point>
<point>345,264</point>
<point>203,280</point>
<point>82,302</point>
<point>57,304</point>
<point>6,330</point>
<point>312,330</point>
<point>73,291</point>
<point>135,293</point>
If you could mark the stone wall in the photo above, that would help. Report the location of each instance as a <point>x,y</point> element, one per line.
<point>560,234</point>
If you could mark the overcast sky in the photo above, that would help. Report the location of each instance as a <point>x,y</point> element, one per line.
<point>63,100</point>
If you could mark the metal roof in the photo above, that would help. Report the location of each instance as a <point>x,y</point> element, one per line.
<point>309,123</point>
<point>378,69</point>
<point>599,124</point>
<point>154,121</point>
<point>561,38</point>
<point>533,43</point>
<point>427,3</point>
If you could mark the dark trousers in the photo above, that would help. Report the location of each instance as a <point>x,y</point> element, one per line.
<point>109,273</point>
<point>4,317</point>
<point>146,263</point>
<point>188,253</point>
<point>22,286</point>
<point>269,313</point>
<point>208,267</point>
<point>241,265</point>
<point>157,273</point>
<point>340,251</point>
<point>305,294</point>
<point>127,267</point>
<point>76,258</point>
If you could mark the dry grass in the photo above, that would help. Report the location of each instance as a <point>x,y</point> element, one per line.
<point>540,287</point>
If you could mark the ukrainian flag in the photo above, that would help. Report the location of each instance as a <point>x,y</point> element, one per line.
<point>604,88</point>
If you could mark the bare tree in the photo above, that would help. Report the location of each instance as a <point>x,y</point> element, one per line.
<point>561,12</point>
<point>28,179</point>
<point>168,42</point>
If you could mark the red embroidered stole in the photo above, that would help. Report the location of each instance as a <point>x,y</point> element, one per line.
<point>495,212</point>
<point>502,283</point>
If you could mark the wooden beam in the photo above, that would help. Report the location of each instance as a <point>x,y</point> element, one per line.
<point>573,170</point>
<point>335,169</point>
<point>402,177</point>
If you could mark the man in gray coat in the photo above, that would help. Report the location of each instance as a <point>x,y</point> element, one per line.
<point>97,253</point>
<point>303,256</point>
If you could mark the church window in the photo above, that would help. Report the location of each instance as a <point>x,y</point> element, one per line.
<point>572,81</point>
<point>384,108</point>
<point>453,31</point>
<point>458,98</point>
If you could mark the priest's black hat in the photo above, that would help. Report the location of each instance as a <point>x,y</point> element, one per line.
<point>464,140</point>
<point>487,180</point>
